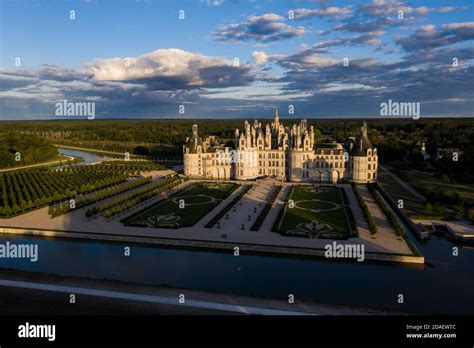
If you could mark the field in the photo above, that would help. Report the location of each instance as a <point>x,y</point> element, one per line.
<point>199,199</point>
<point>425,182</point>
<point>426,179</point>
<point>413,206</point>
<point>318,212</point>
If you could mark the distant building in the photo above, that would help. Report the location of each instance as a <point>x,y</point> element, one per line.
<point>287,153</point>
<point>422,146</point>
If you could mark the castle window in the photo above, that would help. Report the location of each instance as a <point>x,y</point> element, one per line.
<point>241,172</point>
<point>369,176</point>
<point>370,167</point>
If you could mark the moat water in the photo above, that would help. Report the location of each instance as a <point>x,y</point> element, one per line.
<point>445,287</point>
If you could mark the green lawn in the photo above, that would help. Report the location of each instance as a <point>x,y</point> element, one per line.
<point>413,206</point>
<point>416,208</point>
<point>465,191</point>
<point>318,212</point>
<point>199,199</point>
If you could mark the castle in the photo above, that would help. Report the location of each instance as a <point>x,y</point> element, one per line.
<point>286,153</point>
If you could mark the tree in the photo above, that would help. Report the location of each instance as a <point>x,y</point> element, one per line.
<point>429,207</point>
<point>458,211</point>
<point>470,215</point>
<point>7,211</point>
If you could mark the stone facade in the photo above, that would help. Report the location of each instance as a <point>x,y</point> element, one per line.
<point>287,153</point>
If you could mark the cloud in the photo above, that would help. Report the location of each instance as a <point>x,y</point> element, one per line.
<point>307,58</point>
<point>213,2</point>
<point>303,13</point>
<point>260,57</point>
<point>382,14</point>
<point>265,28</point>
<point>162,79</point>
<point>428,37</point>
<point>371,38</point>
<point>172,69</point>
<point>389,7</point>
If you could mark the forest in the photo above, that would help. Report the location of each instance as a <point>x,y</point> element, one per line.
<point>17,148</point>
<point>394,138</point>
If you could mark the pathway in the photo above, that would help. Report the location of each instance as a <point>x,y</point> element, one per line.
<point>362,226</point>
<point>44,164</point>
<point>385,231</point>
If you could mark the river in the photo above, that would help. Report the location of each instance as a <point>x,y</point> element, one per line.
<point>87,156</point>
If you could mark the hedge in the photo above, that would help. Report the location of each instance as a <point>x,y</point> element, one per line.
<point>351,215</point>
<point>282,211</point>
<point>386,211</point>
<point>365,210</point>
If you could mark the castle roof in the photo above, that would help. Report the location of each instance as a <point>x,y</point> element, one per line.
<point>362,143</point>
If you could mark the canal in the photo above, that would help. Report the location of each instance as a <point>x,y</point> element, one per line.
<point>446,287</point>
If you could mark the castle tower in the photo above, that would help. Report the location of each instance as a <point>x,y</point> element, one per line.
<point>363,129</point>
<point>363,159</point>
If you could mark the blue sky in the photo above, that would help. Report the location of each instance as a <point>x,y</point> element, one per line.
<point>282,61</point>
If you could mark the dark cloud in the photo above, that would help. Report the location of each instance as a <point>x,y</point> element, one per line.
<point>265,28</point>
<point>428,37</point>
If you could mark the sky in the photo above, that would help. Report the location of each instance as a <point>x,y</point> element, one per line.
<point>235,58</point>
